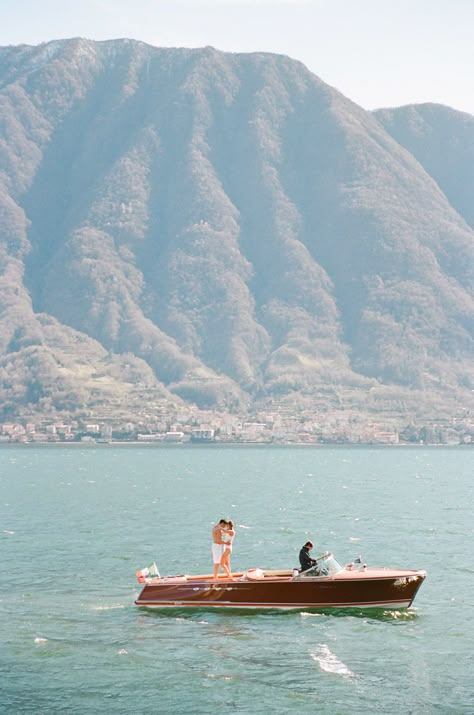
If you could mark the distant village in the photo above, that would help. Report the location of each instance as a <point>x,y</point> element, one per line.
<point>217,428</point>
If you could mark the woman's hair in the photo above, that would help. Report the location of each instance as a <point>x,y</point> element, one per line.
<point>230,523</point>
<point>309,544</point>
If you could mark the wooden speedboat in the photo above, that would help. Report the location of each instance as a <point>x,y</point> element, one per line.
<point>325,585</point>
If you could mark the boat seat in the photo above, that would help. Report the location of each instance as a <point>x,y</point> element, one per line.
<point>254,574</point>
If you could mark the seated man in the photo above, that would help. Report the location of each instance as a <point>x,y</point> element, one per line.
<point>305,559</point>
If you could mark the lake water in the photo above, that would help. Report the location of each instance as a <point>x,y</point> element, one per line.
<point>76,523</point>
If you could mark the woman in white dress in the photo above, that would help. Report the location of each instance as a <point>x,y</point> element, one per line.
<point>228,534</point>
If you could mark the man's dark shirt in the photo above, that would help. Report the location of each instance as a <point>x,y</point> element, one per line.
<point>305,559</point>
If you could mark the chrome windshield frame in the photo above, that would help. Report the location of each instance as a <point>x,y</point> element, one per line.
<point>326,565</point>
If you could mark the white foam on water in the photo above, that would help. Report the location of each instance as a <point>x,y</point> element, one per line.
<point>122,651</point>
<point>306,614</point>
<point>330,663</point>
<point>219,676</point>
<point>107,608</point>
<point>40,640</point>
<point>6,531</point>
<point>354,538</point>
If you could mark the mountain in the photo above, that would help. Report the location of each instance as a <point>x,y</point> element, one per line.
<point>442,140</point>
<point>225,230</point>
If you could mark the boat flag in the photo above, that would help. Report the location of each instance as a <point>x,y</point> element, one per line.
<point>148,572</point>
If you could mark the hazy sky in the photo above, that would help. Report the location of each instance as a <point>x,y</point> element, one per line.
<point>377,52</point>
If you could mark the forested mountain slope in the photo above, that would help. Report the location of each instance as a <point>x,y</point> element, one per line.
<point>223,229</point>
<point>442,140</point>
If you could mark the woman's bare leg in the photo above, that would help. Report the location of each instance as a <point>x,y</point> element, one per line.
<point>225,562</point>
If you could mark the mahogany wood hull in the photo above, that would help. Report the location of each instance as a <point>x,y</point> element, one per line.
<point>371,588</point>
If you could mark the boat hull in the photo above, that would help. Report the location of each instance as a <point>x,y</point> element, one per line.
<point>373,588</point>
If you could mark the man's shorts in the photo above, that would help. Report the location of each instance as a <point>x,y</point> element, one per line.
<point>217,551</point>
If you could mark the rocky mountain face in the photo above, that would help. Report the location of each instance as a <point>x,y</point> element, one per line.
<point>225,229</point>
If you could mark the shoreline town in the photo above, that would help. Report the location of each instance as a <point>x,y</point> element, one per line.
<point>227,430</point>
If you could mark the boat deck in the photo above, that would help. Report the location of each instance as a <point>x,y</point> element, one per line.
<point>285,575</point>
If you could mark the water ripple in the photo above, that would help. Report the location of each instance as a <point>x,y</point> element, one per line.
<point>329,662</point>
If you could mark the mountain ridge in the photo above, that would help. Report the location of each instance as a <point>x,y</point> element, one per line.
<point>239,228</point>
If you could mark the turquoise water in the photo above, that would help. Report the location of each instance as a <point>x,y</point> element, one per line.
<point>75,524</point>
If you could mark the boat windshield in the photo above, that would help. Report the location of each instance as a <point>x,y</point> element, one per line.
<point>326,565</point>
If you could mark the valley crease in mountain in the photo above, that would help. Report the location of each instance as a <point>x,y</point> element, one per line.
<point>224,230</point>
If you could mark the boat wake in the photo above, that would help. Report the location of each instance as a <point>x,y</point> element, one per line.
<point>330,663</point>
<point>312,614</point>
<point>367,614</point>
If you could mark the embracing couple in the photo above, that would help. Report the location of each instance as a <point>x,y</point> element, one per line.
<point>222,537</point>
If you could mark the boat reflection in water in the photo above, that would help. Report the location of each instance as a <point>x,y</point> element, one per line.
<point>325,585</point>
